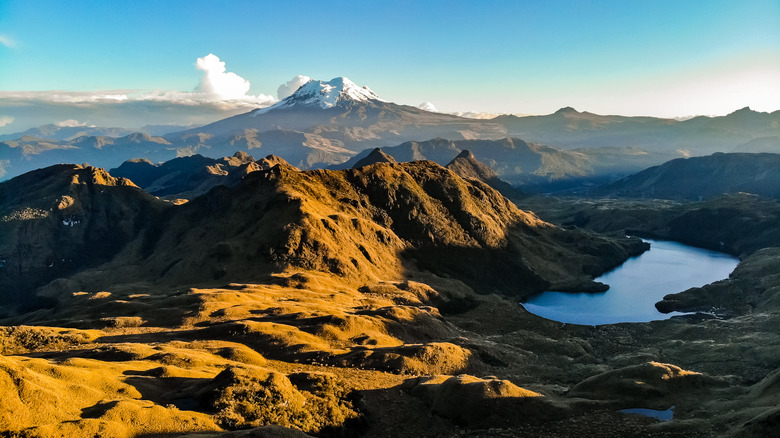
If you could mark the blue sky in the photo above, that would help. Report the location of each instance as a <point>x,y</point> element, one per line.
<point>661,58</point>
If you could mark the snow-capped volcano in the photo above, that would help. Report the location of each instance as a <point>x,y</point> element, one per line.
<point>325,95</point>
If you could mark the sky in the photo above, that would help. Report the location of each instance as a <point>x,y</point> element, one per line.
<point>131,63</point>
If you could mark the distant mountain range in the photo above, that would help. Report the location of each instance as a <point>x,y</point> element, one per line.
<point>186,177</point>
<point>30,153</point>
<point>527,164</point>
<point>327,123</point>
<point>699,178</point>
<point>67,133</point>
<point>568,128</point>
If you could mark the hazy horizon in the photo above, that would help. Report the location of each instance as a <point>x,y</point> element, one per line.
<point>129,64</point>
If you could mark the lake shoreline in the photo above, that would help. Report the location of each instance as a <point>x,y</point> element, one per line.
<point>636,285</point>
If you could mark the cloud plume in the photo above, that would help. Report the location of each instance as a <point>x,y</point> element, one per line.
<point>219,94</point>
<point>70,123</point>
<point>219,82</point>
<point>288,88</point>
<point>6,120</point>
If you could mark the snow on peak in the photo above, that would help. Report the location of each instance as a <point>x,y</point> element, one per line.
<point>325,94</point>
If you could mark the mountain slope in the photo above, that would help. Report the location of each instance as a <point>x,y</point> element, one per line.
<point>327,122</point>
<point>343,303</point>
<point>703,177</point>
<point>466,165</point>
<point>360,225</point>
<point>760,144</point>
<point>56,132</point>
<point>186,177</point>
<point>376,156</point>
<point>59,220</point>
<point>528,164</point>
<point>30,153</point>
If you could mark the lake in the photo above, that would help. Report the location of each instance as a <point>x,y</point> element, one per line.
<point>636,285</point>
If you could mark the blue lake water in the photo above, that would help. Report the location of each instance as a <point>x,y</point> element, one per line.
<point>666,415</point>
<point>636,285</point>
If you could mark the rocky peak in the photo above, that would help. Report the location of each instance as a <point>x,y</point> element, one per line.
<point>466,165</point>
<point>465,154</point>
<point>376,156</point>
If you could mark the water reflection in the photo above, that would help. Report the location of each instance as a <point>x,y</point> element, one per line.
<point>666,415</point>
<point>636,285</point>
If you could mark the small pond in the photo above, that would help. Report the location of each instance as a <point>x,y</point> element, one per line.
<point>636,285</point>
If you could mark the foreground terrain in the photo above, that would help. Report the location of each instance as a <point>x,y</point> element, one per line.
<point>379,301</point>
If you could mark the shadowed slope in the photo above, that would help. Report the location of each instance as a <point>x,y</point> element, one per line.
<point>186,177</point>
<point>703,177</point>
<point>466,165</point>
<point>59,220</point>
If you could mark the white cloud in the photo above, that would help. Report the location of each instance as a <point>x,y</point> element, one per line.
<point>220,94</point>
<point>219,82</point>
<point>427,106</point>
<point>7,41</point>
<point>477,115</point>
<point>291,86</point>
<point>30,109</point>
<point>70,123</point>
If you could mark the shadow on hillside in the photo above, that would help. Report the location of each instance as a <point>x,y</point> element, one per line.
<point>485,270</point>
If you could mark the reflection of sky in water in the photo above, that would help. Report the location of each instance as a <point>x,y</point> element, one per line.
<point>666,415</point>
<point>636,285</point>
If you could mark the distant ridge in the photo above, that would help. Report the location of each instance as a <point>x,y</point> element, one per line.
<point>187,177</point>
<point>326,123</point>
<point>699,178</point>
<point>376,156</point>
<point>528,164</point>
<point>467,166</point>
